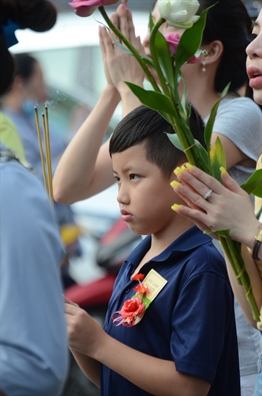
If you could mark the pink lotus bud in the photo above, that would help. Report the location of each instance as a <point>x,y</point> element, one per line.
<point>85,8</point>
<point>173,41</point>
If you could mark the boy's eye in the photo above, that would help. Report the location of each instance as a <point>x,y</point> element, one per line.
<point>133,176</point>
<point>117,179</point>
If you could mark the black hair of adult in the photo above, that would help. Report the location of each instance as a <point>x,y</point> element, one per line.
<point>37,15</point>
<point>229,22</point>
<point>24,65</point>
<point>146,126</point>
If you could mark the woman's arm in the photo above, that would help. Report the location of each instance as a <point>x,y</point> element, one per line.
<point>256,283</point>
<point>85,168</point>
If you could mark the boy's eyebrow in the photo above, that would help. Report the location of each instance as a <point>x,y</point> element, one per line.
<point>129,168</point>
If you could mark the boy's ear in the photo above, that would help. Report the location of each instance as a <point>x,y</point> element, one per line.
<point>214,52</point>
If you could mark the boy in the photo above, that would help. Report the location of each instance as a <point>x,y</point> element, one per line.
<point>184,342</point>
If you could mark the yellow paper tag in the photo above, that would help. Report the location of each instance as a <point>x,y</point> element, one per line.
<point>155,283</point>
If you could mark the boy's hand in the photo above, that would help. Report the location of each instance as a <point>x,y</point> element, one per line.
<point>84,332</point>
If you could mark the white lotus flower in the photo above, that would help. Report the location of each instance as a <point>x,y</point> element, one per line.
<point>179,13</point>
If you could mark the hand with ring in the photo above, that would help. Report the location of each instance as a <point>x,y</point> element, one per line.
<point>215,206</point>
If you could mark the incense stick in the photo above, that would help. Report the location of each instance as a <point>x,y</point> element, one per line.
<point>48,156</point>
<point>41,149</point>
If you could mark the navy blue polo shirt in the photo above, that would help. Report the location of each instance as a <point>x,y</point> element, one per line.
<point>190,322</point>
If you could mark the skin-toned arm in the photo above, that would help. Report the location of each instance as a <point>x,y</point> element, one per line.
<point>85,168</point>
<point>234,156</point>
<point>159,377</point>
<point>256,283</point>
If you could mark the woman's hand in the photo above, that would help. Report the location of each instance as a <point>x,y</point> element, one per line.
<point>227,208</point>
<point>120,66</point>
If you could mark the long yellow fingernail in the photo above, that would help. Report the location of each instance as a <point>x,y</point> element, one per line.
<point>189,166</point>
<point>175,183</point>
<point>179,169</point>
<point>223,170</point>
<point>175,207</point>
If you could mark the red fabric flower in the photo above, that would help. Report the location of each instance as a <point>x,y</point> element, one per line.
<point>131,309</point>
<point>173,40</point>
<point>141,289</point>
<point>138,277</point>
<point>85,8</point>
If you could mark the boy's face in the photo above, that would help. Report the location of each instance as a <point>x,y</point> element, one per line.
<point>145,197</point>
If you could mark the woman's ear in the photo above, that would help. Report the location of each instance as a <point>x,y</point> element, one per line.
<point>214,51</point>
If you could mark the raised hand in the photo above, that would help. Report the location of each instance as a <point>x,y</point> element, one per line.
<point>227,207</point>
<point>120,66</point>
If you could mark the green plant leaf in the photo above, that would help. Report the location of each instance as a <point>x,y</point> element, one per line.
<point>254,184</point>
<point>217,158</point>
<point>174,139</point>
<point>146,59</point>
<point>201,157</point>
<point>146,301</point>
<point>151,22</point>
<point>164,58</point>
<point>153,100</point>
<point>191,40</point>
<point>212,116</point>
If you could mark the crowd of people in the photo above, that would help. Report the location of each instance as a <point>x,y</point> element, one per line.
<point>192,337</point>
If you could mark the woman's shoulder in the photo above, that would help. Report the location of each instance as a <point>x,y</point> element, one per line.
<point>231,101</point>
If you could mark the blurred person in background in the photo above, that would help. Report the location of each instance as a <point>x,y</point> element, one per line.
<point>238,121</point>
<point>28,91</point>
<point>33,339</point>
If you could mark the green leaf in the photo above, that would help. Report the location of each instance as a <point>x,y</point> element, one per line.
<point>146,301</point>
<point>146,59</point>
<point>201,157</point>
<point>259,213</point>
<point>254,184</point>
<point>190,40</point>
<point>212,117</point>
<point>174,139</point>
<point>200,154</point>
<point>217,159</point>
<point>164,57</point>
<point>151,22</point>
<point>153,100</point>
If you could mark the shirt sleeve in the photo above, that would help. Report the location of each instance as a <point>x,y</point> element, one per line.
<point>240,120</point>
<point>33,340</point>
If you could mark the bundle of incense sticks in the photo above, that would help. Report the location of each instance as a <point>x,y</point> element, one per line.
<point>45,157</point>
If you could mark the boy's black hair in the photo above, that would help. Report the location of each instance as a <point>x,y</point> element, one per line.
<point>146,126</point>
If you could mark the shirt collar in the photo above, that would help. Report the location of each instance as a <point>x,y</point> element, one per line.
<point>189,240</point>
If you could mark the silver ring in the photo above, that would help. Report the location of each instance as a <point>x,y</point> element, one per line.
<point>208,194</point>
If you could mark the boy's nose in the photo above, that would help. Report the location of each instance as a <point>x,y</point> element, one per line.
<point>122,195</point>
